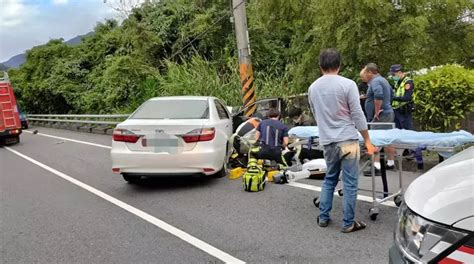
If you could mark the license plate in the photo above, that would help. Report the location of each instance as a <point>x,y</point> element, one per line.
<point>162,143</point>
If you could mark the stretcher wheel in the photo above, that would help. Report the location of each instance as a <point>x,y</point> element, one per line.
<point>398,200</point>
<point>340,192</point>
<point>316,202</point>
<point>373,213</point>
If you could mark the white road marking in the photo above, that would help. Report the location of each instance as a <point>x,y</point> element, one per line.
<point>294,184</point>
<point>215,252</point>
<point>70,139</point>
<point>318,189</point>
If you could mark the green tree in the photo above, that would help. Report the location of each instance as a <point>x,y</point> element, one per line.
<point>181,47</point>
<point>38,94</point>
<point>376,31</point>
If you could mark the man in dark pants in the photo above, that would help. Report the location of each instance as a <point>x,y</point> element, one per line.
<point>273,137</point>
<point>403,100</point>
<point>378,109</point>
<point>363,87</point>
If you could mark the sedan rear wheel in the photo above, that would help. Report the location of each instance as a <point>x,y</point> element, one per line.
<point>131,179</point>
<point>225,170</point>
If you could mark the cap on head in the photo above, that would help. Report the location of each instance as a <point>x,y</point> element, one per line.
<point>396,68</point>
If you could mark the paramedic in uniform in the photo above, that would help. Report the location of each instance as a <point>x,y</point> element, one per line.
<point>272,135</point>
<point>335,103</point>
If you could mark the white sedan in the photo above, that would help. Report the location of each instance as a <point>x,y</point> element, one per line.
<point>181,135</point>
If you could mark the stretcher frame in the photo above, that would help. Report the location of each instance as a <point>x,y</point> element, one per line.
<point>397,196</point>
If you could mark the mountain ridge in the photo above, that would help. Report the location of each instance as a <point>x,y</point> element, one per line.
<point>17,60</point>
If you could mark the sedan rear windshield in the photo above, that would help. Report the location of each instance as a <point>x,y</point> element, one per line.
<point>173,109</point>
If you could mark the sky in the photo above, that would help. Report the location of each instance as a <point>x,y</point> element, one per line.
<point>27,23</point>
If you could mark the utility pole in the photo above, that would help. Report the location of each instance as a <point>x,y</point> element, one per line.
<point>245,64</point>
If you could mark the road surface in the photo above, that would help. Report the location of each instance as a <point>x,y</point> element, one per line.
<point>61,203</point>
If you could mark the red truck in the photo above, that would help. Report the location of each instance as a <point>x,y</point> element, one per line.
<point>10,124</point>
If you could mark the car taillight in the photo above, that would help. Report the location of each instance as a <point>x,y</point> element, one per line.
<point>198,135</point>
<point>123,135</point>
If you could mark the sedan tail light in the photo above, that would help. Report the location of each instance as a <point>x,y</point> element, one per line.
<point>198,135</point>
<point>123,135</point>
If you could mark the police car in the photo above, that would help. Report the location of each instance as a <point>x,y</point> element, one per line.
<point>436,219</point>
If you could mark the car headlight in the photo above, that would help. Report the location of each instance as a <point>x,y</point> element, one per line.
<point>421,240</point>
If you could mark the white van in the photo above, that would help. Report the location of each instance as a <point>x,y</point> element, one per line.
<point>436,219</point>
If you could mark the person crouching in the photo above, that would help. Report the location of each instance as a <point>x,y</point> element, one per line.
<point>272,135</point>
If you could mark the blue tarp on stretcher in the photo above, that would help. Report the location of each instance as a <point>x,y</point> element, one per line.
<point>400,137</point>
<point>304,132</point>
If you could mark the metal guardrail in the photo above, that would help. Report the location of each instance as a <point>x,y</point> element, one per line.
<point>79,119</point>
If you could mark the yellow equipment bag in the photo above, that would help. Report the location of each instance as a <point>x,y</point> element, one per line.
<point>254,178</point>
<point>236,173</point>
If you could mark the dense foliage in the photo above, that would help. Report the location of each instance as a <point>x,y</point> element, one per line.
<point>443,97</point>
<point>148,54</point>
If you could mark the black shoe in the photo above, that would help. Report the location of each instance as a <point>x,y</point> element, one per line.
<point>368,173</point>
<point>390,167</point>
<point>323,223</point>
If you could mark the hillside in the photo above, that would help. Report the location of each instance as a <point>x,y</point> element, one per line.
<point>188,47</point>
<point>17,60</point>
<point>3,67</point>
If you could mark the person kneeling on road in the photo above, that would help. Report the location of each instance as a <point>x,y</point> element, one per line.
<point>272,135</point>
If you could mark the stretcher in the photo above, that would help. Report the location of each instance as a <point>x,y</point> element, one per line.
<point>446,144</point>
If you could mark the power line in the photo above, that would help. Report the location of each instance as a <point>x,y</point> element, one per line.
<point>198,36</point>
<point>207,30</point>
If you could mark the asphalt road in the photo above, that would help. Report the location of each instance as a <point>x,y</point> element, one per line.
<point>48,218</point>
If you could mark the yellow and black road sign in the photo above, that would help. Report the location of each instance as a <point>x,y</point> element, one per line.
<point>248,89</point>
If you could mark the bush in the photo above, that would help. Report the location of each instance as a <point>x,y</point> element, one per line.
<point>201,78</point>
<point>443,97</point>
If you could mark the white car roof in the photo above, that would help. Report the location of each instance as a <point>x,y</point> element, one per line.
<point>445,194</point>
<point>183,98</point>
